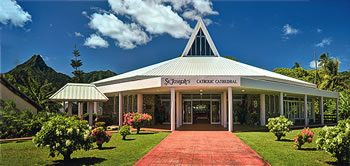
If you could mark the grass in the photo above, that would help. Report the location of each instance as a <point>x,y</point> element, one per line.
<point>115,152</point>
<point>283,152</point>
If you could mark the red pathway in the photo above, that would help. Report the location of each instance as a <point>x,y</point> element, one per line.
<point>201,148</point>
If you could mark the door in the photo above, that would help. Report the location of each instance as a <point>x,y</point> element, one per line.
<point>187,112</point>
<point>165,108</point>
<point>215,112</point>
<point>201,112</point>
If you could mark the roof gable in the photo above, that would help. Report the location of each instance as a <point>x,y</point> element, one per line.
<point>78,92</point>
<point>200,43</point>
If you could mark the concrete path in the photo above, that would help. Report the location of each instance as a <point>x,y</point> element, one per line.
<point>201,148</point>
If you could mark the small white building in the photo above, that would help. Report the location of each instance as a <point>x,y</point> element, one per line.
<point>203,87</point>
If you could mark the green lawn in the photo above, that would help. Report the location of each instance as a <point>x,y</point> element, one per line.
<point>283,152</point>
<point>116,152</point>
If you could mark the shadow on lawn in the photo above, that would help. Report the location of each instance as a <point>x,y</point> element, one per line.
<point>309,149</point>
<point>80,161</point>
<point>129,139</point>
<point>286,140</point>
<point>145,133</point>
<point>106,148</point>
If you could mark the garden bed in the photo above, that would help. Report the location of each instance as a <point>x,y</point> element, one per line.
<point>283,152</point>
<point>115,152</point>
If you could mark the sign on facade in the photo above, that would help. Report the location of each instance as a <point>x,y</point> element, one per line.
<point>201,81</point>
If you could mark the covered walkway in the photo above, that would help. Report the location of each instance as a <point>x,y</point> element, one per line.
<point>201,148</point>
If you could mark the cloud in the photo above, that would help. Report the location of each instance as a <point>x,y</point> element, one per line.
<point>95,41</point>
<point>154,16</point>
<point>78,34</point>
<point>324,42</point>
<point>318,30</point>
<point>288,31</point>
<point>312,64</point>
<point>12,13</point>
<point>134,22</point>
<point>127,36</point>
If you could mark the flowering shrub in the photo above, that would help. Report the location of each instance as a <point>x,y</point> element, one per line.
<point>279,126</point>
<point>336,140</point>
<point>124,131</point>
<point>100,136</point>
<point>63,136</point>
<point>304,136</point>
<point>136,120</point>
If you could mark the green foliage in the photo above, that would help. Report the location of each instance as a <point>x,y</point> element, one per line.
<point>100,136</point>
<point>336,140</point>
<point>63,136</point>
<point>279,126</point>
<point>96,75</point>
<point>344,105</point>
<point>106,119</point>
<point>101,124</point>
<point>16,123</point>
<point>124,131</point>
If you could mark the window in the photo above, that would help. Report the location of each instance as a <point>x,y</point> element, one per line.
<point>200,46</point>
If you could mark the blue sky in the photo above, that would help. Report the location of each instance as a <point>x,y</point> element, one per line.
<point>266,34</point>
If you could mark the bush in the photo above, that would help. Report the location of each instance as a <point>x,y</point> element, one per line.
<point>306,135</point>
<point>108,120</point>
<point>86,116</point>
<point>336,140</point>
<point>136,120</point>
<point>101,124</point>
<point>16,123</point>
<point>279,126</point>
<point>100,136</point>
<point>124,131</point>
<point>64,136</point>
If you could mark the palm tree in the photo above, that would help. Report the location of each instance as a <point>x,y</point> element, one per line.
<point>296,65</point>
<point>331,79</point>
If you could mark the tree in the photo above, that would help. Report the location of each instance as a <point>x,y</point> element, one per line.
<point>296,65</point>
<point>231,58</point>
<point>344,105</point>
<point>76,63</point>
<point>64,136</point>
<point>331,79</point>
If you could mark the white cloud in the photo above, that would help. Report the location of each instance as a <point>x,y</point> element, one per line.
<point>127,36</point>
<point>288,30</point>
<point>324,42</point>
<point>318,30</point>
<point>143,19</point>
<point>155,17</point>
<point>12,13</point>
<point>312,64</point>
<point>95,41</point>
<point>78,34</point>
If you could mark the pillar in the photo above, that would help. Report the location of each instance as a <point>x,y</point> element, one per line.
<point>120,109</point>
<point>225,109</point>
<point>222,110</point>
<point>230,113</point>
<point>172,98</point>
<point>177,109</point>
<point>139,103</point>
<point>321,110</point>
<point>337,109</point>
<point>69,108</point>
<point>90,111</point>
<point>80,110</point>
<point>305,111</point>
<point>262,110</point>
<point>96,109</point>
<point>281,103</point>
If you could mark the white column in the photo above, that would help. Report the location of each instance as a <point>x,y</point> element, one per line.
<point>69,108</point>
<point>139,103</point>
<point>120,109</point>
<point>80,110</point>
<point>177,109</point>
<point>90,111</point>
<point>222,110</point>
<point>321,110</point>
<point>230,113</point>
<point>281,103</point>
<point>305,111</point>
<point>172,98</point>
<point>96,111</point>
<point>225,109</point>
<point>262,109</point>
<point>337,108</point>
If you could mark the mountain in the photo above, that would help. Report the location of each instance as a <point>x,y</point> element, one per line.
<point>36,68</point>
<point>97,75</point>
